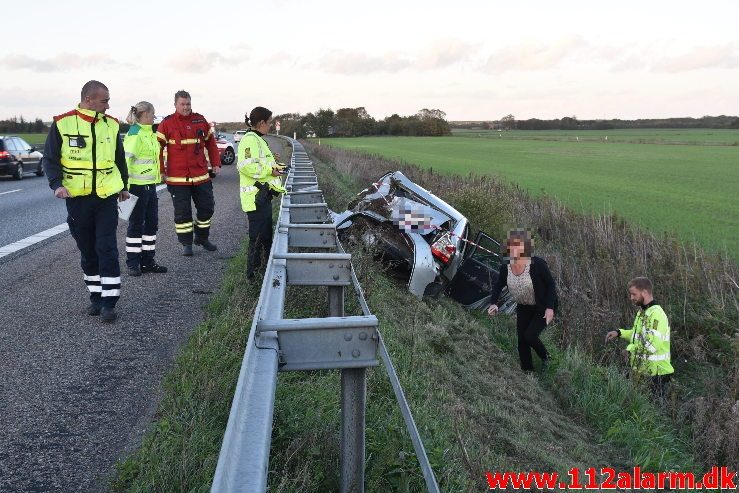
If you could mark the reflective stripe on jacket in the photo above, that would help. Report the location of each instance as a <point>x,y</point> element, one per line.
<point>142,155</point>
<point>186,138</point>
<point>649,342</point>
<point>88,153</point>
<point>255,165</point>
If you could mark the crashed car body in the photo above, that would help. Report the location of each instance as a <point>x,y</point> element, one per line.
<point>421,234</point>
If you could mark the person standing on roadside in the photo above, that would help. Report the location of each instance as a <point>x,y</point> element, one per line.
<point>85,165</point>
<point>185,135</point>
<point>142,153</point>
<point>649,336</point>
<point>532,287</point>
<point>259,181</point>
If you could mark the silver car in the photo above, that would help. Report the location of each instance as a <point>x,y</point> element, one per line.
<point>426,239</point>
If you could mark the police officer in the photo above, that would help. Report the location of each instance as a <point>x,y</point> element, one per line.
<point>649,336</point>
<point>259,181</point>
<point>185,135</point>
<point>142,152</point>
<point>85,165</point>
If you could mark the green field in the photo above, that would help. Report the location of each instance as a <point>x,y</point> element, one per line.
<point>689,190</point>
<point>34,139</point>
<point>670,136</point>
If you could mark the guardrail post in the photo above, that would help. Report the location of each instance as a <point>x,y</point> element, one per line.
<point>353,406</point>
<point>278,344</point>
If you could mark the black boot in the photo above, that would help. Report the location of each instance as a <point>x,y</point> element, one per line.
<point>108,314</point>
<point>205,243</point>
<point>187,250</point>
<point>154,267</point>
<point>93,309</point>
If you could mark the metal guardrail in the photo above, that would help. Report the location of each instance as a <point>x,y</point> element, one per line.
<point>277,344</point>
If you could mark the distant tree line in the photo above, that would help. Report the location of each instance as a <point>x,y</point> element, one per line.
<point>509,122</point>
<point>19,125</point>
<point>356,122</point>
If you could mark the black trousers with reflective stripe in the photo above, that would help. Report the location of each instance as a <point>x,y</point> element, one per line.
<point>182,197</point>
<point>93,223</point>
<point>144,221</point>
<point>260,235</point>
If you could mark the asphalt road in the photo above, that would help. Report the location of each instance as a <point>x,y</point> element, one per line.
<point>76,394</point>
<point>27,207</point>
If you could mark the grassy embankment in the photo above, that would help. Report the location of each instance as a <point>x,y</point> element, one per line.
<point>476,411</point>
<point>592,258</point>
<point>687,190</point>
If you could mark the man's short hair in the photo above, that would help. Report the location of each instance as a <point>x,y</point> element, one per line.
<point>181,94</point>
<point>642,284</point>
<point>90,88</point>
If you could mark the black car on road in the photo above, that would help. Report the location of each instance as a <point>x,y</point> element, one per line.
<point>18,157</point>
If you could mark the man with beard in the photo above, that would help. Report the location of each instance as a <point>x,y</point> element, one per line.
<point>649,337</point>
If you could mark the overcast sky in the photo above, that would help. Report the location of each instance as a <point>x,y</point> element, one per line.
<point>475,60</point>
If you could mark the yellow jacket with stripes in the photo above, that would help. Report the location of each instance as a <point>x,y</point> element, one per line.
<point>142,155</point>
<point>255,163</point>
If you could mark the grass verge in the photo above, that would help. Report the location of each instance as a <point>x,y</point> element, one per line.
<point>475,409</point>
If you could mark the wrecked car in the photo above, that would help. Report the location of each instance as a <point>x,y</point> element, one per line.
<point>425,238</point>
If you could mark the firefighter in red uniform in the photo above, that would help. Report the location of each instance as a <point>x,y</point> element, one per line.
<point>186,135</point>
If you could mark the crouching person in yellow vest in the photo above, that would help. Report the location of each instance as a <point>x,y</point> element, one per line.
<point>85,165</point>
<point>259,181</point>
<point>649,338</point>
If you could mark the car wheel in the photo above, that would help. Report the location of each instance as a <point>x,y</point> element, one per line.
<point>228,156</point>
<point>18,175</point>
<point>40,169</point>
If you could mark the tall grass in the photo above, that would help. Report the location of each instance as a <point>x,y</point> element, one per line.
<point>592,258</point>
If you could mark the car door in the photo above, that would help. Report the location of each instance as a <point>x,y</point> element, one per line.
<point>474,281</point>
<point>25,152</point>
<point>12,147</point>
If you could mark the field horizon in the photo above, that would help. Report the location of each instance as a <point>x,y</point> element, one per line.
<point>686,190</point>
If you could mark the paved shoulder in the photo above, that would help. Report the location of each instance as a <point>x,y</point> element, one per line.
<point>75,393</point>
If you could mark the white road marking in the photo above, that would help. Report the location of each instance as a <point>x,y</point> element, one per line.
<point>11,191</point>
<point>33,239</point>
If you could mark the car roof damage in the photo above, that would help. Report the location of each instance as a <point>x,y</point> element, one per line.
<point>421,236</point>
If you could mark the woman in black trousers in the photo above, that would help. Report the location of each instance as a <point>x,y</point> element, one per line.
<point>532,287</point>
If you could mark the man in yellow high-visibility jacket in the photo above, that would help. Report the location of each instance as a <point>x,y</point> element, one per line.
<point>649,337</point>
<point>85,165</point>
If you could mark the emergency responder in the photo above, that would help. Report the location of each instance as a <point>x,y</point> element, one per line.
<point>259,181</point>
<point>649,337</point>
<point>85,165</point>
<point>185,135</point>
<point>142,152</point>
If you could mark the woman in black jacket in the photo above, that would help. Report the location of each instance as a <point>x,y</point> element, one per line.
<point>532,287</point>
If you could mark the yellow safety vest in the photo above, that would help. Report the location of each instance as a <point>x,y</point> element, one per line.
<point>649,342</point>
<point>255,165</point>
<point>142,155</point>
<point>88,153</point>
